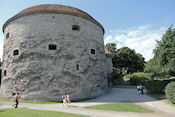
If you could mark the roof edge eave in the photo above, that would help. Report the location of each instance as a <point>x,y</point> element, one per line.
<point>50,11</point>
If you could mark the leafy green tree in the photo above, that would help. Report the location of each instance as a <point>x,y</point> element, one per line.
<point>128,60</point>
<point>140,62</point>
<point>149,66</point>
<point>111,47</point>
<point>164,54</point>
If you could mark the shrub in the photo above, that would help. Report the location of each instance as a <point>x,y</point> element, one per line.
<point>138,78</point>
<point>165,81</point>
<point>154,86</point>
<point>170,92</point>
<point>116,73</point>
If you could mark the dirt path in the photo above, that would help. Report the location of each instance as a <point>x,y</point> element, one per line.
<point>161,109</point>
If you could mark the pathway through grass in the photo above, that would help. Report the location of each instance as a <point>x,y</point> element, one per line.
<point>34,113</point>
<point>121,106</point>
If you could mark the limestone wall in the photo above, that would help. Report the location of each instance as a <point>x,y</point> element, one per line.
<point>38,73</point>
<point>108,64</point>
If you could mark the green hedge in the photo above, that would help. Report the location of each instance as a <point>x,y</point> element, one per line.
<point>157,86</point>
<point>154,86</point>
<point>170,92</point>
<point>165,81</point>
<point>138,78</point>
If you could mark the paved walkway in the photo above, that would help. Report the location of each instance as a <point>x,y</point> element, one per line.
<point>161,109</point>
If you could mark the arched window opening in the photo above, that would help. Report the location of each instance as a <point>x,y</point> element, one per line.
<point>7,35</point>
<point>15,52</point>
<point>52,47</point>
<point>92,51</point>
<point>5,73</point>
<point>77,67</point>
<point>75,27</point>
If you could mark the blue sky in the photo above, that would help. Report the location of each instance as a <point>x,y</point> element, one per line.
<point>133,23</point>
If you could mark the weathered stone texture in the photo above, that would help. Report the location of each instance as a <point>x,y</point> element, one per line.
<point>108,64</point>
<point>41,74</point>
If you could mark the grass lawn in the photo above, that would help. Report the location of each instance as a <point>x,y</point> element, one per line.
<point>40,102</point>
<point>34,113</point>
<point>4,100</point>
<point>28,101</point>
<point>159,97</point>
<point>121,106</point>
<point>156,96</point>
<point>167,101</point>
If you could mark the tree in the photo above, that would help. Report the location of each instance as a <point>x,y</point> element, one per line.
<point>149,66</point>
<point>140,62</point>
<point>164,54</point>
<point>111,47</point>
<point>128,60</point>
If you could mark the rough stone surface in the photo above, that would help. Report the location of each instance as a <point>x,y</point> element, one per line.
<point>108,64</point>
<point>38,73</point>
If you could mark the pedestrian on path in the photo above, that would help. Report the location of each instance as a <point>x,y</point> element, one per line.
<point>138,89</point>
<point>141,89</point>
<point>64,99</point>
<point>16,100</point>
<point>68,100</point>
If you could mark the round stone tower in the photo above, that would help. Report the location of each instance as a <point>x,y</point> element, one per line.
<point>51,50</point>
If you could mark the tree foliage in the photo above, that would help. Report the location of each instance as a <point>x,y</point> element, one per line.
<point>164,54</point>
<point>151,67</point>
<point>127,59</point>
<point>170,92</point>
<point>111,47</point>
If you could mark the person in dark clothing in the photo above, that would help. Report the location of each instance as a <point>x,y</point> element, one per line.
<point>16,100</point>
<point>141,89</point>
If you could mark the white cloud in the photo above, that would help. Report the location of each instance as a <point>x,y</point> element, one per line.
<point>141,38</point>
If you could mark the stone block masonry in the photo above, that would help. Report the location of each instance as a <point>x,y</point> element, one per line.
<point>47,54</point>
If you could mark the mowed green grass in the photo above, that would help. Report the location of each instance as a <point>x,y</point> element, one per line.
<point>34,113</point>
<point>156,96</point>
<point>121,106</point>
<point>159,97</point>
<point>28,101</point>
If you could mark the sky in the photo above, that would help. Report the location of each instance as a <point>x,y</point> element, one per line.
<point>133,23</point>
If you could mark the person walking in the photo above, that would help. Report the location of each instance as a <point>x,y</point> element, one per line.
<point>68,99</point>
<point>16,100</point>
<point>141,89</point>
<point>138,89</point>
<point>64,99</point>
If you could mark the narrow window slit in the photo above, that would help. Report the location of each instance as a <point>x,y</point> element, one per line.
<point>77,67</point>
<point>7,35</point>
<point>5,73</point>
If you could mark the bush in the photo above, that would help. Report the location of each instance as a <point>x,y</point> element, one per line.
<point>170,92</point>
<point>165,81</point>
<point>138,78</point>
<point>116,73</point>
<point>154,86</point>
